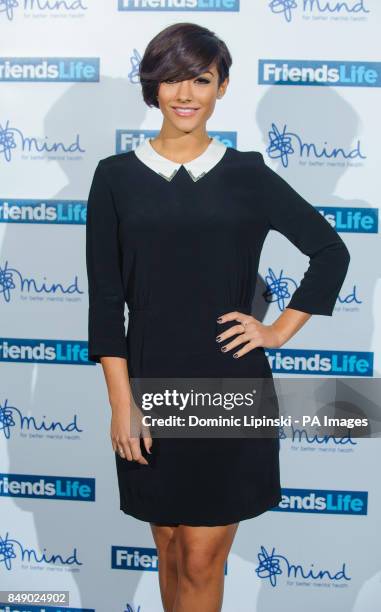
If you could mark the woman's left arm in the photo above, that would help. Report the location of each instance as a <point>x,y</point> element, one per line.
<point>290,214</point>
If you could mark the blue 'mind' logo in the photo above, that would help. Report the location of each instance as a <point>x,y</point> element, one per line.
<point>11,549</point>
<point>299,435</point>
<point>11,138</point>
<point>284,144</point>
<point>12,279</point>
<point>351,219</point>
<point>27,350</point>
<point>9,8</point>
<point>73,488</point>
<point>279,290</point>
<point>128,140</point>
<point>272,565</point>
<point>136,558</point>
<point>330,363</point>
<point>320,501</point>
<point>133,75</point>
<point>12,418</point>
<point>319,72</point>
<point>334,8</point>
<point>178,5</point>
<point>48,69</point>
<point>55,212</point>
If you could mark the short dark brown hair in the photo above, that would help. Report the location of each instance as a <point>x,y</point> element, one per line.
<point>179,52</point>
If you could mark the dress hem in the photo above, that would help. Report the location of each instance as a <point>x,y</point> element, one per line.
<point>192,523</point>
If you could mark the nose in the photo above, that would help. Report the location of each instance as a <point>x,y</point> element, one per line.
<point>184,90</point>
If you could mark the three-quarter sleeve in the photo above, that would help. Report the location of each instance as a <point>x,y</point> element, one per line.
<point>291,215</point>
<point>106,331</point>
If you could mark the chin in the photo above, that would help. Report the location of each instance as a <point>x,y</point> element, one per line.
<point>186,126</point>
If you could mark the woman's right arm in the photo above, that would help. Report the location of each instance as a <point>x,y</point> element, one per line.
<point>106,331</point>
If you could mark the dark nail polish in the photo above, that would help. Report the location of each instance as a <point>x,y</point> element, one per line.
<point>219,320</point>
<point>223,348</point>
<point>235,355</point>
<point>218,339</point>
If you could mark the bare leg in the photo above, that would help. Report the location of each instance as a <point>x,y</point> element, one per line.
<point>165,540</point>
<point>201,556</point>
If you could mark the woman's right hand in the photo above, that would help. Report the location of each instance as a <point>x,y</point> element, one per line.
<point>126,420</point>
<point>125,444</point>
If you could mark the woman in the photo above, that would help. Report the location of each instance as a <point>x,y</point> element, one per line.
<point>175,229</point>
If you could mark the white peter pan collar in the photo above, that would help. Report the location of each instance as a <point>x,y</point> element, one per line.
<point>167,168</point>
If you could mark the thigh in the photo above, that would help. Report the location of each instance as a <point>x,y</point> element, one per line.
<point>163,535</point>
<point>208,541</point>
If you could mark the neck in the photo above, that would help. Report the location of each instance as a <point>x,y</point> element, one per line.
<point>181,147</point>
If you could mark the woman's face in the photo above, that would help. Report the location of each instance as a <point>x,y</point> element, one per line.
<point>187,105</point>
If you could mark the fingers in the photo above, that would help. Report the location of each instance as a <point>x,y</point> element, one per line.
<point>249,346</point>
<point>122,448</point>
<point>130,449</point>
<point>232,331</point>
<point>147,441</point>
<point>242,338</point>
<point>248,331</point>
<point>125,436</point>
<point>246,328</point>
<point>234,315</point>
<point>136,452</point>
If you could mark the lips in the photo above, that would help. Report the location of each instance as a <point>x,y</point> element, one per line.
<point>185,111</point>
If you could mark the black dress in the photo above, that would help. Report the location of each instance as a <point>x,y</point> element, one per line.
<point>180,253</point>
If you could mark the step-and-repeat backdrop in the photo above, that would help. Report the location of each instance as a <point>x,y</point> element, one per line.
<point>305,91</point>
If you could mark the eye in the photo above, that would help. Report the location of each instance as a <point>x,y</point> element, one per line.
<point>199,79</point>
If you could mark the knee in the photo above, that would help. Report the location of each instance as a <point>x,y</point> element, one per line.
<point>197,566</point>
